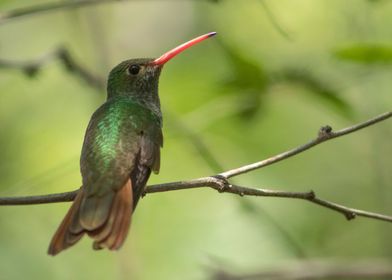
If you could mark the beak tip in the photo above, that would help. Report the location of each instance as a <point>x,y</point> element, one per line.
<point>170,54</point>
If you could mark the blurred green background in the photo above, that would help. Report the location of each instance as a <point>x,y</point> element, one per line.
<point>275,73</point>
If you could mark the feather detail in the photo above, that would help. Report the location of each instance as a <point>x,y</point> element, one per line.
<point>95,210</point>
<point>63,238</point>
<point>113,234</point>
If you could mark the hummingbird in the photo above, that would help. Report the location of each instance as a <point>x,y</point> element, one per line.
<point>121,148</point>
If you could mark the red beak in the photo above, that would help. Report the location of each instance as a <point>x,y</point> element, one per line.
<point>172,53</point>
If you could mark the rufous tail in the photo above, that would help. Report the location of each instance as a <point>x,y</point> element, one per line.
<point>111,234</point>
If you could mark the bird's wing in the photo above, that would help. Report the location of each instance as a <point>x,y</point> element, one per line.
<point>112,145</point>
<point>121,147</point>
<point>147,160</point>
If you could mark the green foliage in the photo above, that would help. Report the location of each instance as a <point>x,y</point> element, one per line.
<point>320,89</point>
<point>365,53</point>
<point>251,81</point>
<point>240,97</point>
<point>246,79</point>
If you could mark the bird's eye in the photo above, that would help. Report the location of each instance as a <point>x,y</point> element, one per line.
<point>134,69</point>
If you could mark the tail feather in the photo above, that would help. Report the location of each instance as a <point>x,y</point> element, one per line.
<point>95,210</point>
<point>121,234</point>
<point>117,227</point>
<point>111,234</point>
<point>102,232</point>
<point>63,238</point>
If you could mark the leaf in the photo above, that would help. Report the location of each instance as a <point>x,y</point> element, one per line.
<point>317,86</point>
<point>251,81</point>
<point>246,73</point>
<point>247,79</point>
<point>365,53</point>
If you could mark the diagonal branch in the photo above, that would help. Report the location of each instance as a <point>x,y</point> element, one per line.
<point>320,269</point>
<point>324,135</point>
<point>274,21</point>
<point>216,166</point>
<point>220,182</point>
<point>52,6</point>
<point>48,7</point>
<point>31,68</point>
<point>222,185</point>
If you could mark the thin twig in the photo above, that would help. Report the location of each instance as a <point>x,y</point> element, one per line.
<point>47,7</point>
<point>51,7</point>
<point>274,21</point>
<point>39,199</point>
<point>220,182</point>
<point>197,142</point>
<point>216,166</point>
<point>324,135</point>
<point>312,270</point>
<point>31,68</point>
<point>222,185</point>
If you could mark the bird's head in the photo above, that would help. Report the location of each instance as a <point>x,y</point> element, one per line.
<point>139,77</point>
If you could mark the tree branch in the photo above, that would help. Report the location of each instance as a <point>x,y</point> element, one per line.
<point>31,68</point>
<point>274,21</point>
<point>220,182</point>
<point>188,131</point>
<point>52,6</point>
<point>39,199</point>
<point>47,7</point>
<point>324,135</point>
<point>312,270</point>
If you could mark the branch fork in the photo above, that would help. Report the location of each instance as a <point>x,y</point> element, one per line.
<point>221,183</point>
